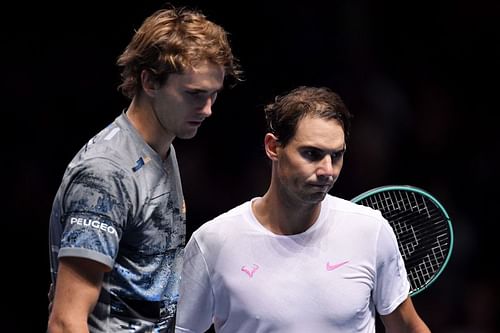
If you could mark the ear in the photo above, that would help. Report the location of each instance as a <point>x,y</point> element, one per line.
<point>271,146</point>
<point>149,84</point>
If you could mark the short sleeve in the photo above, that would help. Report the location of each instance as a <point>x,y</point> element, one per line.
<point>391,285</point>
<point>196,300</point>
<point>96,204</point>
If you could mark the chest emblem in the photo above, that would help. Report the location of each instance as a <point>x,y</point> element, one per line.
<point>250,271</point>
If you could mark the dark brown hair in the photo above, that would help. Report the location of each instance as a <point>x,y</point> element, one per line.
<point>283,115</point>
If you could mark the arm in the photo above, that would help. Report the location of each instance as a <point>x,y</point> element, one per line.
<point>77,291</point>
<point>404,319</point>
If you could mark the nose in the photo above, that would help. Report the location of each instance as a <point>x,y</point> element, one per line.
<point>206,108</point>
<point>206,111</point>
<point>326,167</point>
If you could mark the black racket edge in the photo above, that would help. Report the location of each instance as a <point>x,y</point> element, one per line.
<point>426,194</point>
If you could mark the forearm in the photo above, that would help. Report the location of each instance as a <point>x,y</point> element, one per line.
<point>419,327</point>
<point>404,320</point>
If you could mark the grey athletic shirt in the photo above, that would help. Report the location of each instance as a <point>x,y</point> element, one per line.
<point>121,205</point>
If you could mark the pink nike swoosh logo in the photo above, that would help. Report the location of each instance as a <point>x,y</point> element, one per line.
<point>331,267</point>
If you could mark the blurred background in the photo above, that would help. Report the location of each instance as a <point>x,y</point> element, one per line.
<point>421,79</point>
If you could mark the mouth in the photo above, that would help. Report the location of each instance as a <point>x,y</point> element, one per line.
<point>322,187</point>
<point>195,123</point>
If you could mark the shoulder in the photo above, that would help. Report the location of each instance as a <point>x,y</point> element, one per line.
<point>114,150</point>
<point>355,218</point>
<point>102,164</point>
<point>225,224</point>
<point>115,144</point>
<point>347,207</point>
<point>95,166</point>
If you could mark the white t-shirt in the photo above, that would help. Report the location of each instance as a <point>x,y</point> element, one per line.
<point>331,278</point>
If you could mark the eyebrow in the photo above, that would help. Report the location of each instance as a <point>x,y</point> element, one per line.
<point>338,150</point>
<point>203,90</point>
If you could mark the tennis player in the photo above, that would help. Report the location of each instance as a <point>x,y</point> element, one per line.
<point>298,259</point>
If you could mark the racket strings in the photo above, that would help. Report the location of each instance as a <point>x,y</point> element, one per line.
<point>421,229</point>
<point>423,270</point>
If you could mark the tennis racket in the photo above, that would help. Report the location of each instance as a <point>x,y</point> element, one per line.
<point>422,226</point>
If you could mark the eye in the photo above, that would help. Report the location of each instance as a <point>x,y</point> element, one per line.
<point>338,154</point>
<point>312,154</point>
<point>196,94</point>
<point>202,96</point>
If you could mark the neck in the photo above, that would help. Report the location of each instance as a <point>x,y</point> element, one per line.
<point>142,116</point>
<point>283,216</point>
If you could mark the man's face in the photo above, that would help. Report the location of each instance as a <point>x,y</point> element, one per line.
<point>309,165</point>
<point>186,99</point>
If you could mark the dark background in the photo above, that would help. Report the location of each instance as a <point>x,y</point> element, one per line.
<point>421,79</point>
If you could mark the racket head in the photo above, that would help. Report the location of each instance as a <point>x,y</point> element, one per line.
<point>422,226</point>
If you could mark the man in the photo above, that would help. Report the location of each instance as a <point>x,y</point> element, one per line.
<point>117,227</point>
<point>297,259</point>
